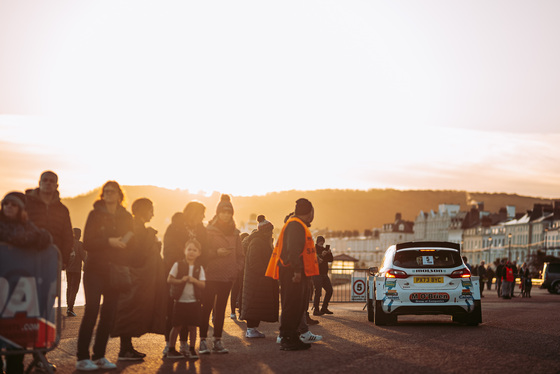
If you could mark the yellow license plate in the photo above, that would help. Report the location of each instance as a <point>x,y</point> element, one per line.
<point>428,279</point>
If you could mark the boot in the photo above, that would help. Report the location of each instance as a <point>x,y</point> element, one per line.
<point>293,343</point>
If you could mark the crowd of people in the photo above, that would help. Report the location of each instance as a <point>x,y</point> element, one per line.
<point>505,273</point>
<point>134,284</point>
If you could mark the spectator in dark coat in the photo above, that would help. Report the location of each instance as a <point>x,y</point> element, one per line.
<point>490,274</point>
<point>499,275</point>
<point>106,226</point>
<point>17,230</point>
<point>223,261</point>
<point>236,299</point>
<point>482,274</point>
<point>322,281</point>
<point>142,309</point>
<point>260,293</point>
<point>45,209</point>
<point>74,272</point>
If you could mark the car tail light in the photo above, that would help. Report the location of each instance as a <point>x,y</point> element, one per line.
<point>461,273</point>
<point>393,273</point>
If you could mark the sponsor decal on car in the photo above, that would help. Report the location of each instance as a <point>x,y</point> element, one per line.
<point>466,297</point>
<point>429,271</point>
<point>429,297</point>
<point>390,283</point>
<point>466,283</point>
<point>466,292</point>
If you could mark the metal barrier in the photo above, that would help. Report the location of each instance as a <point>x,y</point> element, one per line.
<point>344,287</point>
<point>29,285</point>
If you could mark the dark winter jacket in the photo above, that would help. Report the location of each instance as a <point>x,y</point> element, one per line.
<point>260,293</point>
<point>223,268</point>
<point>176,236</point>
<point>323,260</point>
<point>55,218</point>
<point>23,234</point>
<point>294,243</point>
<point>77,256</point>
<point>100,226</point>
<point>142,309</point>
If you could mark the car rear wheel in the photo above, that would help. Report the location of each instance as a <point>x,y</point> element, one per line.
<point>370,311</point>
<point>471,319</point>
<point>382,318</point>
<point>555,288</point>
<point>475,317</point>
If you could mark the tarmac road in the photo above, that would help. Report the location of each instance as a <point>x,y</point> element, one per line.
<point>516,336</point>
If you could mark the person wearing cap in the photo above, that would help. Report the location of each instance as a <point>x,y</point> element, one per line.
<point>223,260</point>
<point>260,293</point>
<point>16,229</point>
<point>47,211</point>
<point>293,262</point>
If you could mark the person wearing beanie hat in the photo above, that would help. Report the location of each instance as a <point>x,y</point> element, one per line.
<point>260,293</point>
<point>303,207</point>
<point>263,223</point>
<point>224,204</point>
<point>17,230</point>
<point>15,227</point>
<point>17,198</point>
<point>224,260</point>
<point>293,262</point>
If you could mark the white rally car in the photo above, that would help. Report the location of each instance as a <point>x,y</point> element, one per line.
<point>423,278</point>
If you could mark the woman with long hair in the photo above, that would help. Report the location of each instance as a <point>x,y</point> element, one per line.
<point>223,260</point>
<point>105,228</point>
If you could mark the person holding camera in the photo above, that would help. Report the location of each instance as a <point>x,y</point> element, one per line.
<point>322,281</point>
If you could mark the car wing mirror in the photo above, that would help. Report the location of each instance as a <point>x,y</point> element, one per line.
<point>373,270</point>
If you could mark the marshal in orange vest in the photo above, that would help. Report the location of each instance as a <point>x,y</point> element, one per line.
<point>310,265</point>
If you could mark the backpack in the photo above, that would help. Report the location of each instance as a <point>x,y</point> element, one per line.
<point>176,290</point>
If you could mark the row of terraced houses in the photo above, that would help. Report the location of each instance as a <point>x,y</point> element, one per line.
<point>483,235</point>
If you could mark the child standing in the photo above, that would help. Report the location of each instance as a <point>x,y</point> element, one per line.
<point>187,279</point>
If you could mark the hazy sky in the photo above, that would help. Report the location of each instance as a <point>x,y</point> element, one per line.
<point>248,97</point>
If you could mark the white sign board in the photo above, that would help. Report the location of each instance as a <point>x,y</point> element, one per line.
<point>358,289</point>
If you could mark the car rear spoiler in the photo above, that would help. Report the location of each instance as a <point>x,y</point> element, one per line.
<point>428,244</point>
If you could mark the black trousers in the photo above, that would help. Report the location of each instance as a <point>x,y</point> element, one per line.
<point>322,282</point>
<point>214,297</point>
<point>294,301</point>
<point>95,285</point>
<point>73,280</point>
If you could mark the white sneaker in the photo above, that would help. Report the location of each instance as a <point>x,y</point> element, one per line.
<point>309,337</point>
<point>253,333</point>
<point>278,339</point>
<point>183,349</point>
<point>203,348</point>
<point>104,364</point>
<point>86,365</point>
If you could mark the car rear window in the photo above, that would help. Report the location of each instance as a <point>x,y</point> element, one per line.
<point>437,258</point>
<point>553,268</point>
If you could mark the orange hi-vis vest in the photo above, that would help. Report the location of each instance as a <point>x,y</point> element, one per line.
<point>310,265</point>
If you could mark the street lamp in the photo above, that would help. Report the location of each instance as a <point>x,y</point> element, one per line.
<point>490,250</point>
<point>509,246</point>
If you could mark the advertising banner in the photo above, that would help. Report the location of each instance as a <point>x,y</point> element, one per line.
<point>28,289</point>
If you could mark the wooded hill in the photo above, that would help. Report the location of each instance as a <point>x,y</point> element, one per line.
<point>334,209</point>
